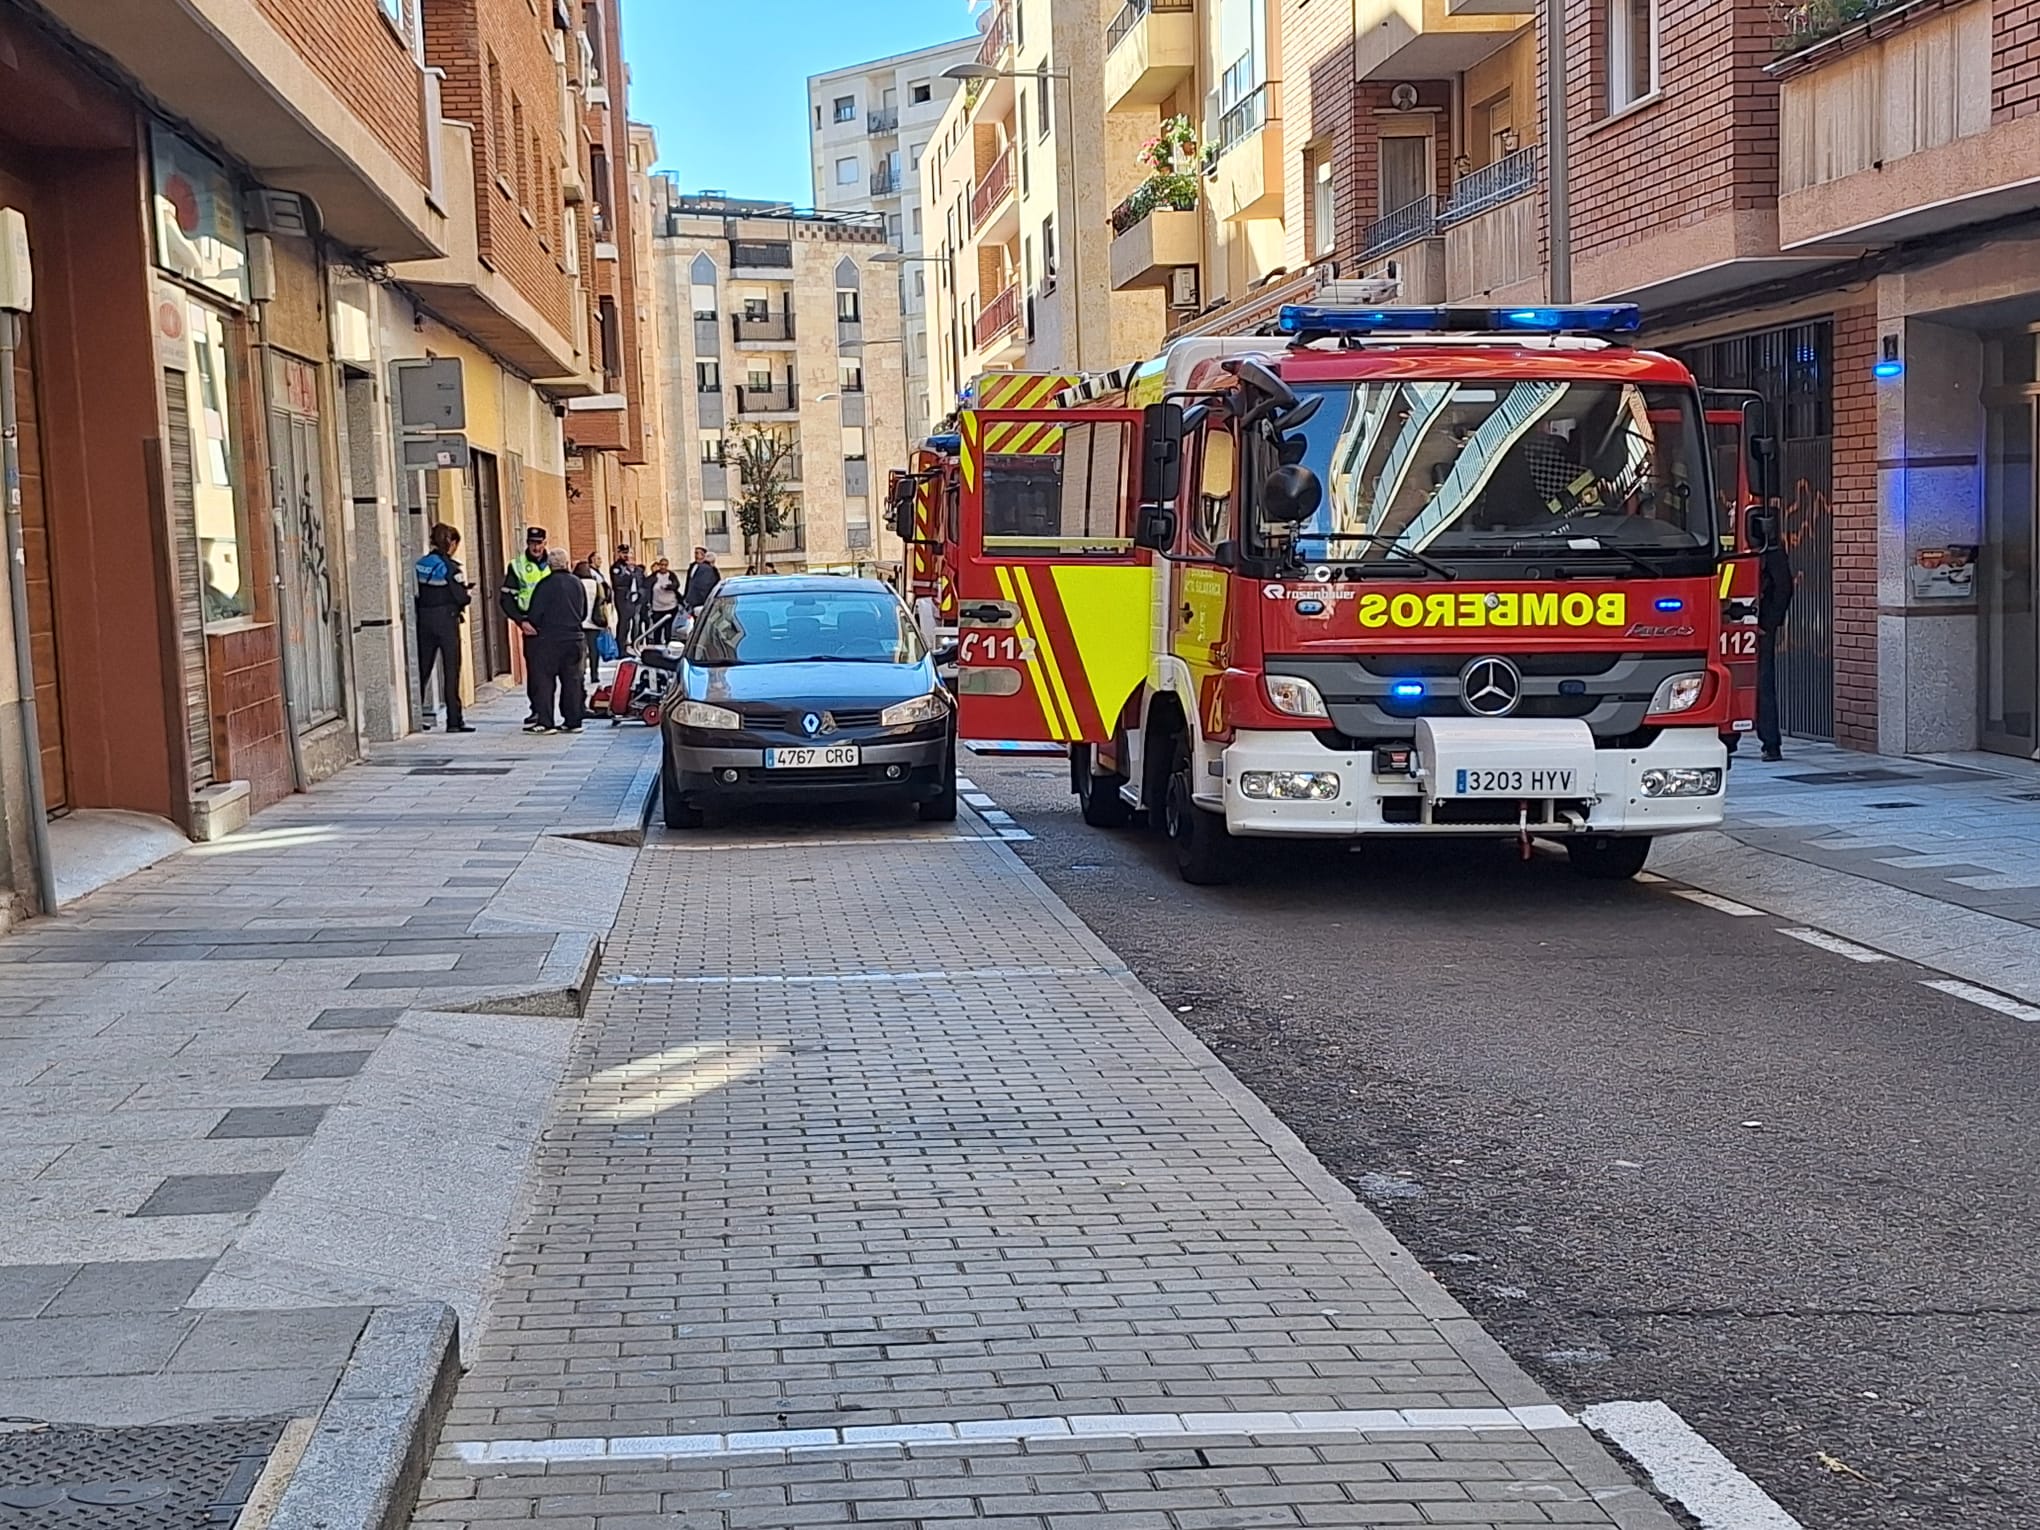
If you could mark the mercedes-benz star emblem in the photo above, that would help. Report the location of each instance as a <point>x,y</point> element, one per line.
<point>1491,687</point>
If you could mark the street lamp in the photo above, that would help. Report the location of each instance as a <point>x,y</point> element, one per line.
<point>1065,178</point>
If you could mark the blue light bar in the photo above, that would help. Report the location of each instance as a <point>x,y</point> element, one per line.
<point>1407,690</point>
<point>1671,603</point>
<point>1884,371</point>
<point>1601,319</point>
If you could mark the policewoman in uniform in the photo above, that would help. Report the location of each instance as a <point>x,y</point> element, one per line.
<point>443,597</point>
<point>527,571</point>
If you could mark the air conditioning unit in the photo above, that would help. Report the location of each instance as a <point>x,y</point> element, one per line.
<point>282,214</point>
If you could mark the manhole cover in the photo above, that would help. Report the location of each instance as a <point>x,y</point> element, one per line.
<point>174,1478</point>
<point>1850,777</point>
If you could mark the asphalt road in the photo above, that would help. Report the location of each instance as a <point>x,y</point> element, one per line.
<point>1662,1153</point>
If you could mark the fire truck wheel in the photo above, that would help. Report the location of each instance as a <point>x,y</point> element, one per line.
<point>1609,858</point>
<point>1205,854</point>
<point>1103,807</point>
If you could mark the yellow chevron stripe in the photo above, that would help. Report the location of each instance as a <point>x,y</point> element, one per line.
<point>967,458</point>
<point>1727,579</point>
<point>1035,396</point>
<point>1049,717</point>
<point>1052,660</point>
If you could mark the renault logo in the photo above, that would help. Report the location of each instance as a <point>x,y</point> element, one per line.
<point>811,724</point>
<point>1491,687</point>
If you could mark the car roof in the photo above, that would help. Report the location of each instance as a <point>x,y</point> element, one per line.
<point>788,584</point>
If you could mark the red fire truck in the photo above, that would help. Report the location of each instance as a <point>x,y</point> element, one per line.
<point>1379,572</point>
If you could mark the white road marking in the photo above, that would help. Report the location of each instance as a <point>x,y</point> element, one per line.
<point>1650,878</point>
<point>1984,997</point>
<point>1839,946</point>
<point>1718,904</point>
<point>993,1431</point>
<point>817,979</point>
<point>1686,1469</point>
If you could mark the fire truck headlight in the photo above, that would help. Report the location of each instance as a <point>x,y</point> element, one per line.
<point>1682,783</point>
<point>1295,698</point>
<point>1289,785</point>
<point>1681,693</point>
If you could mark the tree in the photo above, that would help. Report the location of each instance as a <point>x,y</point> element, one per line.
<point>763,458</point>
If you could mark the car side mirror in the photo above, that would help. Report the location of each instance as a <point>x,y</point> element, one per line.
<point>946,655</point>
<point>1290,497</point>
<point>1161,456</point>
<point>1155,530</point>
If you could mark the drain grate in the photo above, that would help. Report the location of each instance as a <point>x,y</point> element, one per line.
<point>1887,806</point>
<point>189,1477</point>
<point>462,770</point>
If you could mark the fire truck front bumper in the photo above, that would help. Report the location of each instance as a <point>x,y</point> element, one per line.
<point>1474,778</point>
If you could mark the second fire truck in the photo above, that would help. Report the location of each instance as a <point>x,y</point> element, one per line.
<point>1380,572</point>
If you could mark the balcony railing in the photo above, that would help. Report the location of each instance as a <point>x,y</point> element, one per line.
<point>1490,186</point>
<point>760,254</point>
<point>768,400</point>
<point>1000,317</point>
<point>1131,13</point>
<point>992,48</point>
<point>993,189</point>
<point>885,120</point>
<point>777,326</point>
<point>1246,117</point>
<point>885,181</point>
<point>1407,224</point>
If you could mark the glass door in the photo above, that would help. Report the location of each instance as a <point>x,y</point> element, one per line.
<point>2011,627</point>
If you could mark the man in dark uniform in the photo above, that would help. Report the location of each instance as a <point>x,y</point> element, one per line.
<point>527,571</point>
<point>556,650</point>
<point>627,585</point>
<point>1774,601</point>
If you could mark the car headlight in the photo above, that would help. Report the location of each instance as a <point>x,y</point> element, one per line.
<point>699,714</point>
<point>932,707</point>
<point>1295,698</point>
<point>1681,693</point>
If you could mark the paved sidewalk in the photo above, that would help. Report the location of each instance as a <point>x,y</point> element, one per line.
<point>883,1195</point>
<point>268,1084</point>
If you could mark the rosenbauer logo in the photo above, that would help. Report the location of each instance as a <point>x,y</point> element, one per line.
<point>1495,608</point>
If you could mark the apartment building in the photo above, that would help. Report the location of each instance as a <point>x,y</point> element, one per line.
<point>348,305</point>
<point>779,333</point>
<point>1835,207</point>
<point>605,430</point>
<point>1017,190</point>
<point>644,525</point>
<point>872,124</point>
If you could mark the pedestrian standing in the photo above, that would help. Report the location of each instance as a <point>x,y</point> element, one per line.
<point>626,584</point>
<point>443,597</point>
<point>665,602</point>
<point>559,607</point>
<point>597,620</point>
<point>1774,602</point>
<point>527,572</point>
<point>702,578</point>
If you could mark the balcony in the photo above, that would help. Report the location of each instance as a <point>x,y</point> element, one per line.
<point>766,405</point>
<point>762,331</point>
<point>998,319</point>
<point>762,259</point>
<point>993,188</point>
<point>1150,49</point>
<point>887,182</point>
<point>1432,39</point>
<point>1490,227</point>
<point>1150,241</point>
<point>883,121</point>
<point>997,41</point>
<point>1246,180</point>
<point>1885,133</point>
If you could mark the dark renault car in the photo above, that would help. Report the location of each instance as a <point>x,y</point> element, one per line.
<point>806,688</point>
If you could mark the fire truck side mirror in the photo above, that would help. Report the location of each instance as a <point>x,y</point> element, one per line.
<point>1155,529</point>
<point>1291,496</point>
<point>1760,528</point>
<point>1161,455</point>
<point>899,499</point>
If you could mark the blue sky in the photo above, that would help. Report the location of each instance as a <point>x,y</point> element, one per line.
<point>725,81</point>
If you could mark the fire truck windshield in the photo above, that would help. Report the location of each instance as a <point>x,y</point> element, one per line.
<point>1498,469</point>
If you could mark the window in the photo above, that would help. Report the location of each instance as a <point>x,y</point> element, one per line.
<point>1496,122</point>
<point>702,278</point>
<point>850,374</point>
<point>891,99</point>
<point>895,227</point>
<point>1323,205</point>
<point>394,9</point>
<point>228,591</point>
<point>917,223</point>
<point>1632,51</point>
<point>1019,23</point>
<point>847,309</point>
<point>609,324</point>
<point>846,172</point>
<point>853,443</point>
<point>758,379</point>
<point>920,281</point>
<point>715,518</point>
<point>757,310</point>
<point>920,93</point>
<point>818,119</point>
<point>914,153</point>
<point>846,108</point>
<point>1041,98</point>
<point>520,181</point>
<point>920,345</point>
<point>1048,252</point>
<point>499,135</point>
<point>712,447</point>
<point>1405,172</point>
<point>708,377</point>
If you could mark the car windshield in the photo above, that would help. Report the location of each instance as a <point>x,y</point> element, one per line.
<point>1478,467</point>
<point>804,626</point>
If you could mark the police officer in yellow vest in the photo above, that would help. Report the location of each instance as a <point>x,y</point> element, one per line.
<point>520,582</point>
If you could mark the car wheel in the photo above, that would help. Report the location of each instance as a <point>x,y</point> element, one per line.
<point>1609,858</point>
<point>941,808</point>
<point>1205,852</point>
<point>678,814</point>
<point>1103,807</point>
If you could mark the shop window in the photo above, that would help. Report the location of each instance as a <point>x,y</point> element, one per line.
<point>218,516</point>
